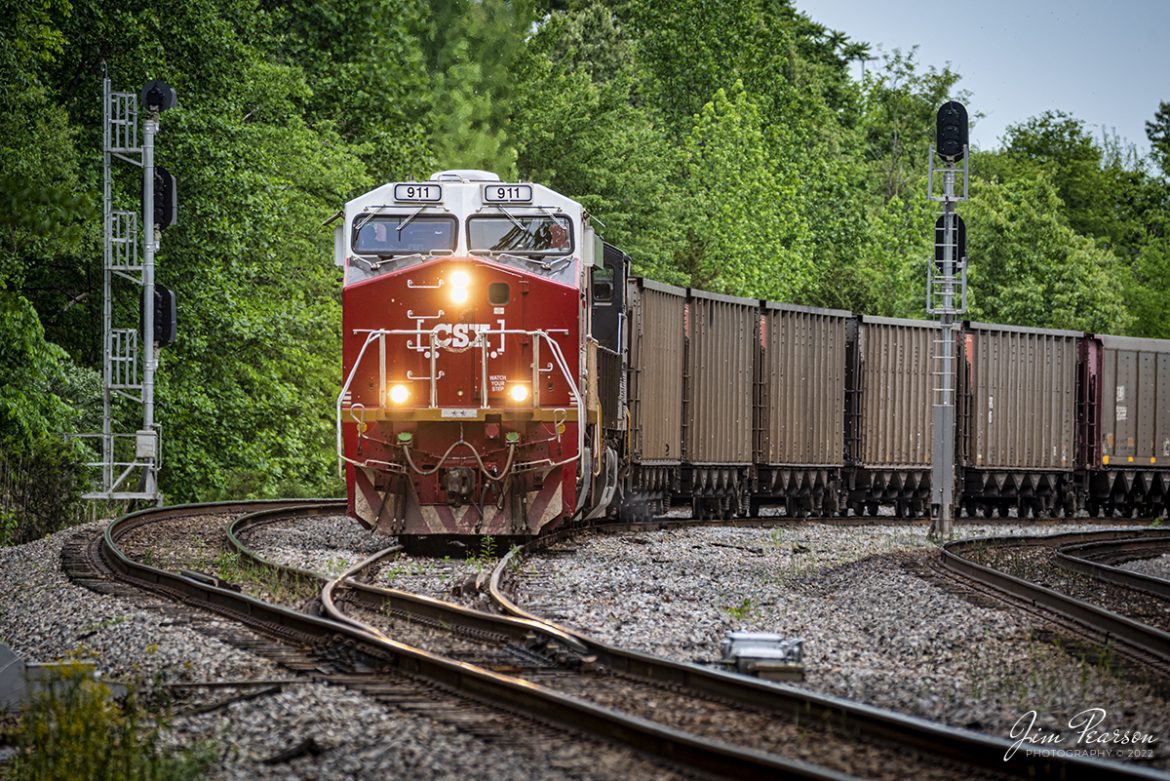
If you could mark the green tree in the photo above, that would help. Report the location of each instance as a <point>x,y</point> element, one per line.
<point>1158,131</point>
<point>472,48</point>
<point>366,67</point>
<point>691,49</point>
<point>1148,295</point>
<point>578,130</point>
<point>1098,193</point>
<point>1028,267</point>
<point>741,211</point>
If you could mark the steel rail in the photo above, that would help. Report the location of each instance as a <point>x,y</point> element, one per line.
<point>788,700</point>
<point>387,656</point>
<point>1095,560</point>
<point>1112,626</point>
<point>379,596</point>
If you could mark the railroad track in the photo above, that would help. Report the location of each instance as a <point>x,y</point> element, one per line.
<point>1066,577</point>
<point>399,677</point>
<point>933,742</point>
<point>1097,559</point>
<point>703,719</point>
<point>484,703</point>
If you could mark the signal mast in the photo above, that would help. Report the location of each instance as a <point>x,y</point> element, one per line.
<point>946,299</point>
<point>130,463</point>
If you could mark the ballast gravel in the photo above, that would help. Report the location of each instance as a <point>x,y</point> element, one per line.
<point>874,628</point>
<point>1158,566</point>
<point>330,544</point>
<point>160,648</point>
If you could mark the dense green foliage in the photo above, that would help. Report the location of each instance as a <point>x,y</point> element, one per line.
<point>723,144</point>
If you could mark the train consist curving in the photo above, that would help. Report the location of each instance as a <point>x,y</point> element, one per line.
<point>503,374</point>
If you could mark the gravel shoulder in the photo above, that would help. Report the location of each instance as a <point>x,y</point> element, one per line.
<point>1157,566</point>
<point>154,644</point>
<point>874,629</point>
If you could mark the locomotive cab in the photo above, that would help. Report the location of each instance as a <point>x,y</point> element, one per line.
<point>469,404</point>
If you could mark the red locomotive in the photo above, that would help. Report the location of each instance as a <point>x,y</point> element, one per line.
<point>467,406</point>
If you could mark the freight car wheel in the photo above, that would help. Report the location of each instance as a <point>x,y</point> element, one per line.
<point>871,508</point>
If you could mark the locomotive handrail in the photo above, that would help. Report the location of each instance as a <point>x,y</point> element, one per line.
<point>539,335</point>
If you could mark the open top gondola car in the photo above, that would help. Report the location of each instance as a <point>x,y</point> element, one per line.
<point>469,406</point>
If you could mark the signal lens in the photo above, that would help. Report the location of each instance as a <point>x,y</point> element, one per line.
<point>399,394</point>
<point>518,393</point>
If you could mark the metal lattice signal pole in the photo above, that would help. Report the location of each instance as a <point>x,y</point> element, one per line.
<point>129,462</point>
<point>946,298</point>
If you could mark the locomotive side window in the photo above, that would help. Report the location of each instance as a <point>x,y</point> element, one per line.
<point>528,235</point>
<point>499,293</point>
<point>398,234</point>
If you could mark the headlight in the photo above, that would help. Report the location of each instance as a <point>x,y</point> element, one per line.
<point>399,394</point>
<point>518,392</point>
<point>460,281</point>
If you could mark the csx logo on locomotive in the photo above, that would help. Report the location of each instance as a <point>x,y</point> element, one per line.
<point>458,336</point>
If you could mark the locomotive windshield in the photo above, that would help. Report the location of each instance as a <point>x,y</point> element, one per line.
<point>528,235</point>
<point>399,234</point>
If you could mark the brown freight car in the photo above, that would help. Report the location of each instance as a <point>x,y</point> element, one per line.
<point>718,384</point>
<point>1128,434</point>
<point>656,314</point>
<point>888,413</point>
<point>1017,412</point>
<point>800,398</point>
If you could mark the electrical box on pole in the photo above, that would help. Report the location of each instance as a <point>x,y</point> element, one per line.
<point>946,299</point>
<point>131,451</point>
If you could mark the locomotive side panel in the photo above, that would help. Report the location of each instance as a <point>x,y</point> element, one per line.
<point>656,370</point>
<point>721,333</point>
<point>894,384</point>
<point>1023,397</point>
<point>802,376</point>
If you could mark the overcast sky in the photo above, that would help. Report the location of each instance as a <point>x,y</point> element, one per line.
<point>1106,62</point>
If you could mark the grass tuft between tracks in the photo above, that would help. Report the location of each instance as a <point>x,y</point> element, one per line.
<point>272,583</point>
<point>77,729</point>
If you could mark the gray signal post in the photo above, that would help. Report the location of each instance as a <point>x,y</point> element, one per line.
<point>147,437</point>
<point>129,461</point>
<point>946,298</point>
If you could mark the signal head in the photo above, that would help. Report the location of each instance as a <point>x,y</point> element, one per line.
<point>157,95</point>
<point>951,131</point>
